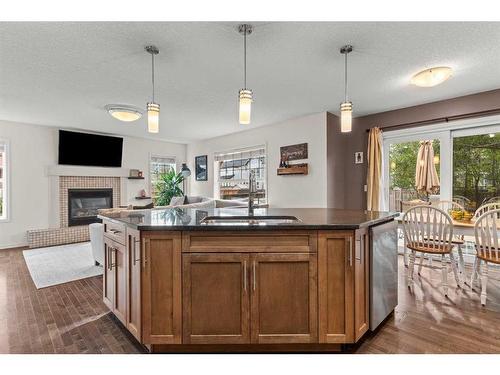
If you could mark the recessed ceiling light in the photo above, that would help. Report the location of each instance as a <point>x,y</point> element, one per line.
<point>124,112</point>
<point>431,77</point>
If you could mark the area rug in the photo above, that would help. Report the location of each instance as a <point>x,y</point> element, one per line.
<point>60,264</point>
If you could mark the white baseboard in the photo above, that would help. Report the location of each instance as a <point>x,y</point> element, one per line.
<point>14,245</point>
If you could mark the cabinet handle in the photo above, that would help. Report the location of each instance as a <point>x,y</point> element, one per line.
<point>350,251</point>
<point>113,258</point>
<point>135,259</point>
<point>254,277</point>
<point>144,259</point>
<point>245,276</point>
<point>114,231</point>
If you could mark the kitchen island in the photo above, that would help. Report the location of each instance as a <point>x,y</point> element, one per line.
<point>219,280</point>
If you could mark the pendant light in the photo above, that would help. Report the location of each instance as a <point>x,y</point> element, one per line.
<point>245,95</point>
<point>152,107</point>
<point>346,106</point>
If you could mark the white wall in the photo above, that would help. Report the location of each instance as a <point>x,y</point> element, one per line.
<point>32,149</point>
<point>284,191</point>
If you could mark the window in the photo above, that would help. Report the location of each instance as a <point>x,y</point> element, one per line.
<point>233,169</point>
<point>476,168</point>
<point>3,180</point>
<point>158,166</point>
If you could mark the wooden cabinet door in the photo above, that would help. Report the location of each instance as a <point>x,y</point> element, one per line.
<point>161,288</point>
<point>108,274</point>
<point>336,286</point>
<point>361,283</point>
<point>216,298</point>
<point>284,298</point>
<point>119,266</point>
<point>134,282</point>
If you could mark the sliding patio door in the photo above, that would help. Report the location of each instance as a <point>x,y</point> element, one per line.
<point>476,165</point>
<point>400,160</point>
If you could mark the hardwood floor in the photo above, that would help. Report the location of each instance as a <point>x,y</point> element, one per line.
<point>67,318</point>
<point>71,318</point>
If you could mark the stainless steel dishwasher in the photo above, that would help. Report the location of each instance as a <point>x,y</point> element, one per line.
<point>383,272</point>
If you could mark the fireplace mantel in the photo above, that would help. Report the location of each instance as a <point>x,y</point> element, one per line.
<point>71,170</point>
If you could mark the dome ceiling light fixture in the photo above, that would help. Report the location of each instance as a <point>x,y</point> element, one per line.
<point>153,108</point>
<point>346,106</point>
<point>245,94</point>
<point>124,112</point>
<point>431,77</point>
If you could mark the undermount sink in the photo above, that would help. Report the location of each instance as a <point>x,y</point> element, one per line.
<point>249,220</point>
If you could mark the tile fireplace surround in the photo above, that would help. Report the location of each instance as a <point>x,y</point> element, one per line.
<point>65,234</point>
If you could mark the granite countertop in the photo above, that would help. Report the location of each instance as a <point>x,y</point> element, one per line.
<point>190,219</point>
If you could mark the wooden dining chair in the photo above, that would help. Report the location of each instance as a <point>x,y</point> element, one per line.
<point>405,206</point>
<point>429,230</point>
<point>491,200</point>
<point>485,208</point>
<point>461,200</point>
<point>487,235</point>
<point>447,206</point>
<point>458,241</point>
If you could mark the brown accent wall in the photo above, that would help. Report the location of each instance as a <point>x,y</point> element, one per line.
<point>341,151</point>
<point>335,154</point>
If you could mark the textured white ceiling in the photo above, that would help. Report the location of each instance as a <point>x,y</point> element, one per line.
<point>63,74</point>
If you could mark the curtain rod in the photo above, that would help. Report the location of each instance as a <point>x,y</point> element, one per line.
<point>488,112</point>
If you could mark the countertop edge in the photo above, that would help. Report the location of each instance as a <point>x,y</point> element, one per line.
<point>252,228</point>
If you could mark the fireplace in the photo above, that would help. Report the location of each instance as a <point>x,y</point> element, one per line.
<point>84,203</point>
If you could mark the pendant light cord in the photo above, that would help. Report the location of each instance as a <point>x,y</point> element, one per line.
<point>153,74</point>
<point>345,78</point>
<point>245,56</point>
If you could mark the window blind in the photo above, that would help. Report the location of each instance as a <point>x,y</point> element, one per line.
<point>245,153</point>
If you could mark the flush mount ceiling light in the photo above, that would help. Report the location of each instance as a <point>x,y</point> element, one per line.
<point>346,106</point>
<point>245,95</point>
<point>431,77</point>
<point>124,112</point>
<point>153,108</point>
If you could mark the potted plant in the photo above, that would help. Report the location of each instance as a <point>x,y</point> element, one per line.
<point>167,187</point>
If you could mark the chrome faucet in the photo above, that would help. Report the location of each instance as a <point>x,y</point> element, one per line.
<point>251,191</point>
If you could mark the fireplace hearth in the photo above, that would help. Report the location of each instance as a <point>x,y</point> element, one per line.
<point>83,205</point>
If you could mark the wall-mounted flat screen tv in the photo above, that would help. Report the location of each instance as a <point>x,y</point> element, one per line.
<point>89,149</point>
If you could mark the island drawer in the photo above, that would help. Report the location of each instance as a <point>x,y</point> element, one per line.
<point>250,242</point>
<point>114,231</point>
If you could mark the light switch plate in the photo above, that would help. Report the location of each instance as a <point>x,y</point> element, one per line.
<point>365,188</point>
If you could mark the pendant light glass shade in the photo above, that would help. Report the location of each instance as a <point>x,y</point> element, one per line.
<point>346,117</point>
<point>153,117</point>
<point>245,106</point>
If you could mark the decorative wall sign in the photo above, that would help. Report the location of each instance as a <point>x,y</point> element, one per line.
<point>294,152</point>
<point>358,157</point>
<point>201,168</point>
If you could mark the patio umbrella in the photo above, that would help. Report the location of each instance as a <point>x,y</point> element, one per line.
<point>426,177</point>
